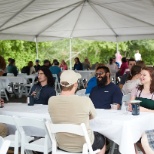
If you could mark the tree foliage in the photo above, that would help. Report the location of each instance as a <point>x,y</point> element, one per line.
<point>95,51</point>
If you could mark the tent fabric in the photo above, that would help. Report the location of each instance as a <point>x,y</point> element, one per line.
<point>45,20</point>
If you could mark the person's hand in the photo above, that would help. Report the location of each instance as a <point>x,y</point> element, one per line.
<point>1,102</point>
<point>143,109</point>
<point>33,93</point>
<point>130,107</point>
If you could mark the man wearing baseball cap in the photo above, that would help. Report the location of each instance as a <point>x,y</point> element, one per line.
<point>70,108</point>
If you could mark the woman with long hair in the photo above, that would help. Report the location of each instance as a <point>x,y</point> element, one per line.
<point>44,89</point>
<point>63,65</point>
<point>145,91</point>
<point>78,64</point>
<point>133,80</point>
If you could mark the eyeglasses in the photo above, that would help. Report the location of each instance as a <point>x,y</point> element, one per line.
<point>99,73</point>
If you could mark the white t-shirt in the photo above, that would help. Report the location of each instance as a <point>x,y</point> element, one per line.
<point>137,56</point>
<point>32,70</point>
<point>129,86</point>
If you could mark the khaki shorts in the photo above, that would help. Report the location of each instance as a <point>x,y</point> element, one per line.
<point>3,130</point>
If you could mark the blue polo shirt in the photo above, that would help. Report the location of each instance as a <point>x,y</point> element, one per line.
<point>102,97</point>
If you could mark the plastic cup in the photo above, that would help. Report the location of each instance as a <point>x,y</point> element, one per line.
<point>135,107</point>
<point>114,106</point>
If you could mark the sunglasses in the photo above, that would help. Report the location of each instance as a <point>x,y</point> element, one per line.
<point>99,73</point>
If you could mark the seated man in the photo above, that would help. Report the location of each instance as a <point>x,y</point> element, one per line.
<point>3,127</point>
<point>44,89</point>
<point>70,108</point>
<point>106,92</point>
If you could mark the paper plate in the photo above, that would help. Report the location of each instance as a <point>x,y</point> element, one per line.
<point>135,101</point>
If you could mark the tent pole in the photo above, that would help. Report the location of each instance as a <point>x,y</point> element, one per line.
<point>70,53</point>
<point>36,45</point>
<point>117,47</point>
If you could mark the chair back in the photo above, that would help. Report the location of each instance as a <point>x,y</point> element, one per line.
<point>23,121</point>
<point>69,128</point>
<point>10,74</point>
<point>7,120</point>
<point>4,145</point>
<point>126,98</point>
<point>57,84</point>
<point>81,92</point>
<point>41,144</point>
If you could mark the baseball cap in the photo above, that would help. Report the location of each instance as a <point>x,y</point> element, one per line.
<point>69,76</point>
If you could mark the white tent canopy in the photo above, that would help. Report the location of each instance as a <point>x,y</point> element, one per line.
<point>45,20</point>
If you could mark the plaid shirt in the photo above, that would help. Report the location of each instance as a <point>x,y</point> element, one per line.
<point>150,137</point>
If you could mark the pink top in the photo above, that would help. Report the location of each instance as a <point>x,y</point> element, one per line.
<point>135,93</point>
<point>123,67</point>
<point>64,67</point>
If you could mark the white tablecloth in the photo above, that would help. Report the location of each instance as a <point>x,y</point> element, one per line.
<point>124,129</point>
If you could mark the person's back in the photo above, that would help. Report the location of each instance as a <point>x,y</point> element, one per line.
<point>71,109</point>
<point>137,56</point>
<point>55,70</point>
<point>68,108</point>
<point>26,70</point>
<point>11,68</point>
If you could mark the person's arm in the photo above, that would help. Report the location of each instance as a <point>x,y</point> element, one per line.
<point>143,109</point>
<point>117,97</point>
<point>1,102</point>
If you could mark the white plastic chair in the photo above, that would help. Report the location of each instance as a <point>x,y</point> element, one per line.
<point>27,87</point>
<point>10,74</point>
<point>57,84</point>
<point>3,93</point>
<point>81,92</point>
<point>125,98</point>
<point>13,138</point>
<point>42,144</point>
<point>4,145</point>
<point>69,128</point>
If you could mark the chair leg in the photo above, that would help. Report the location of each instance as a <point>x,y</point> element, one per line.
<point>112,148</point>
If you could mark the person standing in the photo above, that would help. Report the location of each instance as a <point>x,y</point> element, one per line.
<point>63,65</point>
<point>137,56</point>
<point>78,64</point>
<point>118,58</point>
<point>37,65</point>
<point>11,68</point>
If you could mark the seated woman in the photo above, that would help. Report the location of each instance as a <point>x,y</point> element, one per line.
<point>133,80</point>
<point>145,91</point>
<point>44,89</point>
